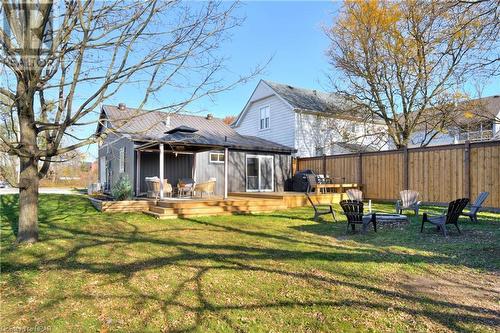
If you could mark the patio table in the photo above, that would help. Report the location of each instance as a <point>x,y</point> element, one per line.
<point>330,186</point>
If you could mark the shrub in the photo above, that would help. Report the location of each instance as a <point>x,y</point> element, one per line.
<point>122,190</point>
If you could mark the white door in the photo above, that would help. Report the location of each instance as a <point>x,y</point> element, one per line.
<point>259,173</point>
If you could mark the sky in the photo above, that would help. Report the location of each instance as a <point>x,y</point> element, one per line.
<point>289,32</point>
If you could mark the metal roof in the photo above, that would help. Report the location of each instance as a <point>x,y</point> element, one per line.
<point>151,126</point>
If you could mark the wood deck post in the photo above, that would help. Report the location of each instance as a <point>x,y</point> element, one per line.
<point>226,158</point>
<point>467,169</point>
<point>162,158</point>
<point>194,168</point>
<point>138,173</point>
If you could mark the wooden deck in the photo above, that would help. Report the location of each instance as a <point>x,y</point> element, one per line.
<point>236,203</point>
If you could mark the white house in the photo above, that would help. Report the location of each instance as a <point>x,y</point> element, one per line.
<point>474,120</point>
<point>311,121</point>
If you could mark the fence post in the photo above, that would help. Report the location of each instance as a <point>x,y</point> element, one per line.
<point>360,170</point>
<point>467,169</point>
<point>405,168</point>
<point>324,166</point>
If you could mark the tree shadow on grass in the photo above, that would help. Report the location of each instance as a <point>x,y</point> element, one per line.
<point>9,210</point>
<point>202,258</point>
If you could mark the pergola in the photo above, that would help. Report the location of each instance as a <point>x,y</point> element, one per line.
<point>177,148</point>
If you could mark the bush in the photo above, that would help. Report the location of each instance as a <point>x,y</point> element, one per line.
<point>122,190</point>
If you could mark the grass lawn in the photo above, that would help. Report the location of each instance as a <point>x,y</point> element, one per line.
<point>276,272</point>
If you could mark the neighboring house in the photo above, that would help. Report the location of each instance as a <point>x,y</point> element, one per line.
<point>311,121</point>
<point>474,120</point>
<point>194,147</point>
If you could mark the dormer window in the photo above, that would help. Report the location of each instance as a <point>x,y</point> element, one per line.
<point>264,118</point>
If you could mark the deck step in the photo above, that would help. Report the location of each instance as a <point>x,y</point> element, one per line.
<point>168,210</point>
<point>256,195</point>
<point>220,203</point>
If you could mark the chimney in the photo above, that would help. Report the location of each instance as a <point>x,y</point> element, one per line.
<point>209,116</point>
<point>314,91</point>
<point>122,106</point>
<point>167,121</point>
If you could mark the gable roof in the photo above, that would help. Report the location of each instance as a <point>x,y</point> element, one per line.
<point>480,109</point>
<point>307,100</point>
<point>148,126</point>
<point>466,113</point>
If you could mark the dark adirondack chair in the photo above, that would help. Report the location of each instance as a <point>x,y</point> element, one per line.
<point>476,206</point>
<point>353,211</point>
<point>312,182</point>
<point>321,209</point>
<point>455,208</point>
<point>409,201</point>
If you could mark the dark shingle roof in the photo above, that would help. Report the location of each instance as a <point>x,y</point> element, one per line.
<point>311,100</point>
<point>141,125</point>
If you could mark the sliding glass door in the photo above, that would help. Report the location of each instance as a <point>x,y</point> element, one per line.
<point>260,173</point>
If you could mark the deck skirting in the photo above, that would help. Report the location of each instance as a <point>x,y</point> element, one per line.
<point>236,203</point>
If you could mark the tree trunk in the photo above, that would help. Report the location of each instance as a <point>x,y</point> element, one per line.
<point>28,173</point>
<point>28,201</point>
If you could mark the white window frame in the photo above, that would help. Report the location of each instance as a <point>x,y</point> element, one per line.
<point>102,169</point>
<point>265,115</point>
<point>218,160</point>
<point>121,160</point>
<point>259,158</point>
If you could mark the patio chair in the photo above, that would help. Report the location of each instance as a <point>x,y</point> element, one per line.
<point>185,187</point>
<point>321,209</point>
<point>476,206</point>
<point>455,208</point>
<point>357,195</point>
<point>353,211</point>
<point>409,201</point>
<point>312,182</point>
<point>354,194</point>
<point>206,187</point>
<point>153,187</point>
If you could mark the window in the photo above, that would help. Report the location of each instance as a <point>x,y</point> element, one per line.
<point>121,160</point>
<point>264,118</point>
<point>102,170</point>
<point>216,157</point>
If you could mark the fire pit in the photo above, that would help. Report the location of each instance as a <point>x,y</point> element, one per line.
<point>387,220</point>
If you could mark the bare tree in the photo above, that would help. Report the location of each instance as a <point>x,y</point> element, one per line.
<point>60,60</point>
<point>404,61</point>
<point>229,119</point>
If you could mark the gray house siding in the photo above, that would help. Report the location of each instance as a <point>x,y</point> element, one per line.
<point>110,149</point>
<point>206,170</point>
<point>180,166</point>
<point>237,171</point>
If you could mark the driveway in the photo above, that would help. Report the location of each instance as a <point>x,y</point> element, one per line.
<point>43,190</point>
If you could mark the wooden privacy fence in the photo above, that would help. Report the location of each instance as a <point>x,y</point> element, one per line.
<point>440,173</point>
